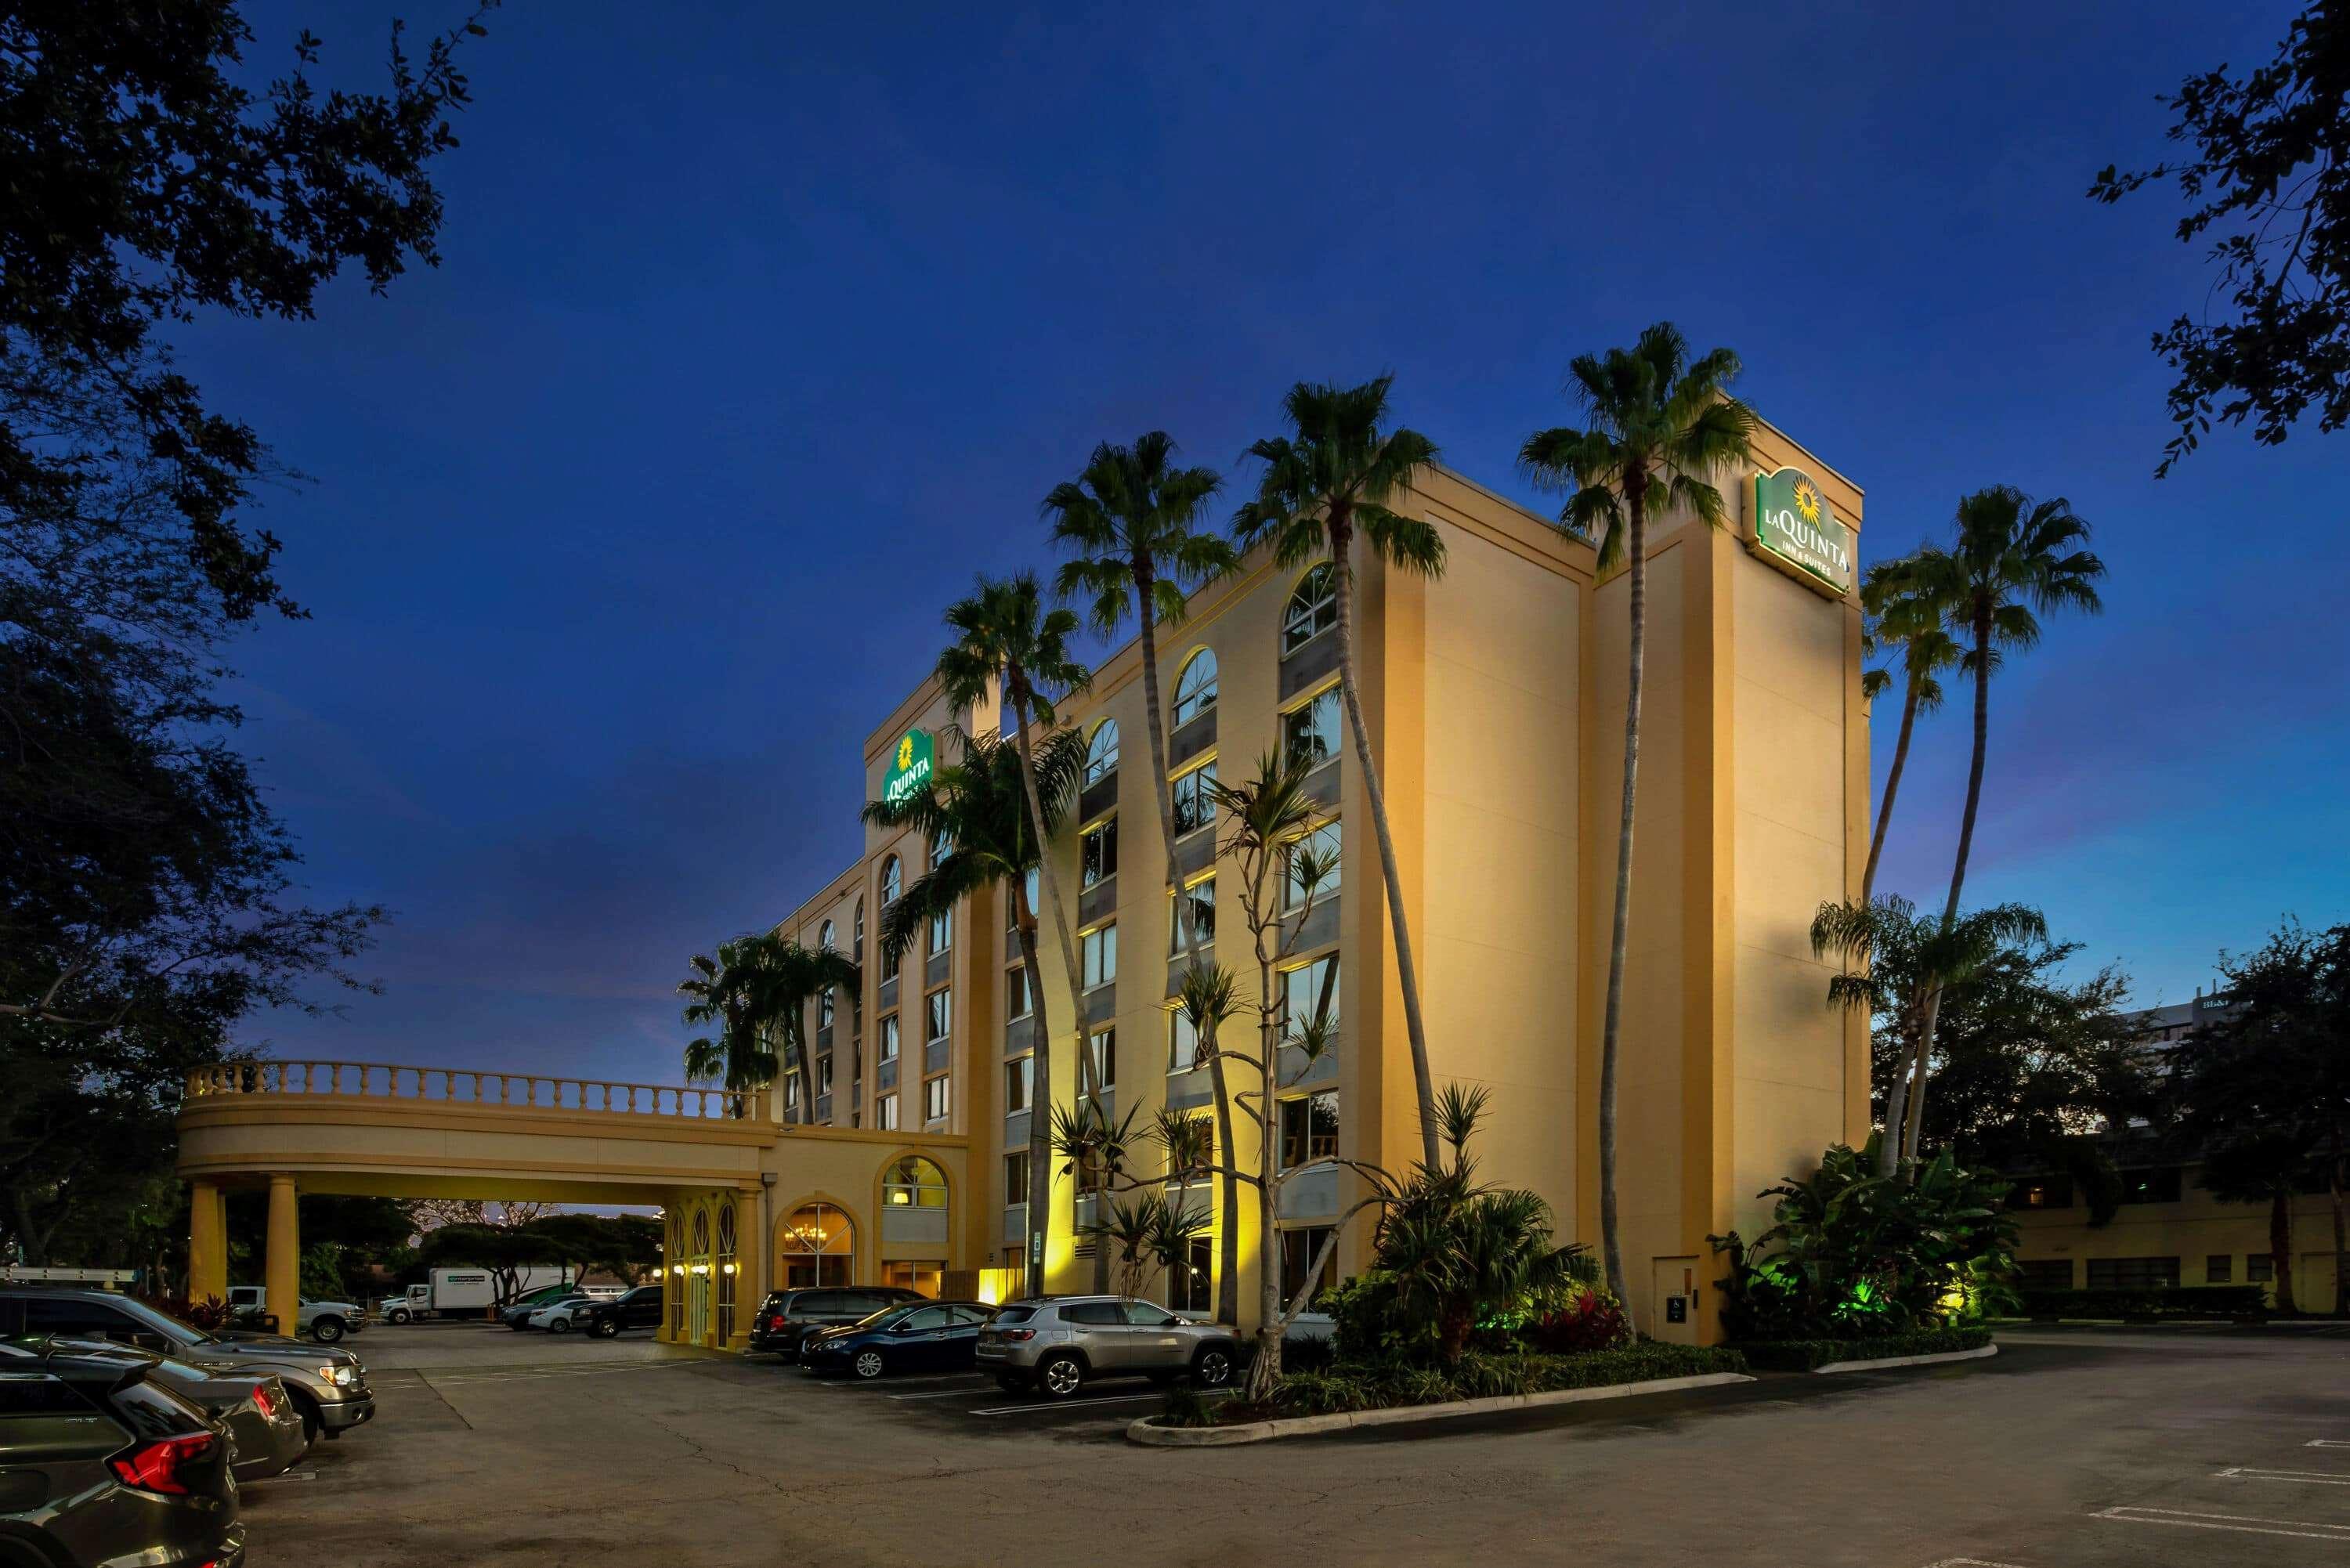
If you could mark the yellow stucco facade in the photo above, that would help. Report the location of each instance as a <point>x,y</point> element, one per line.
<point>1494,695</point>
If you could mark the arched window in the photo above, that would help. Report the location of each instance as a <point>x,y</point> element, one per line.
<point>893,881</point>
<point>914,1182</point>
<point>942,845</point>
<point>858,954</point>
<point>1195,688</point>
<point>1101,756</point>
<point>1313,608</point>
<point>825,937</point>
<point>814,1245</point>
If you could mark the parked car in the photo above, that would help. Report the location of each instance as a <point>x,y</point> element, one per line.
<point>515,1314</point>
<point>556,1317</point>
<point>605,1318</point>
<point>258,1411</point>
<point>329,1386</point>
<point>102,1462</point>
<point>913,1336</point>
<point>325,1322</point>
<point>788,1317</point>
<point>1054,1343</point>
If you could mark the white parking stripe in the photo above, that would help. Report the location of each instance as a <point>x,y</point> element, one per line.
<point>2303,1478</point>
<point>2326,1443</point>
<point>946,1394</point>
<point>2245,1524</point>
<point>1038,1407</point>
<point>1969,1562</point>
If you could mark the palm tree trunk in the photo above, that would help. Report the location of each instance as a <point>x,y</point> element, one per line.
<point>1896,1099</point>
<point>1611,1241</point>
<point>1040,1120</point>
<point>1917,1069</point>
<point>2281,1245</point>
<point>1892,788</point>
<point>1266,1369</point>
<point>1406,975</point>
<point>796,1034</point>
<point>1052,886</point>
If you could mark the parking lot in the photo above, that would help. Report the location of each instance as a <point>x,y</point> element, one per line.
<point>2071,1449</point>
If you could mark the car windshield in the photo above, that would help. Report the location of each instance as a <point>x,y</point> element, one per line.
<point>163,1323</point>
<point>1013,1314</point>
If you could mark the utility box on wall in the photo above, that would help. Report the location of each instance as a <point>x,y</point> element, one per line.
<point>1678,1295</point>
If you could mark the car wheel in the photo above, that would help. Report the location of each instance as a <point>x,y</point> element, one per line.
<point>558,1326</point>
<point>605,1328</point>
<point>1058,1376</point>
<point>327,1330</point>
<point>868,1364</point>
<point>1213,1367</point>
<point>1012,1383</point>
<point>396,1317</point>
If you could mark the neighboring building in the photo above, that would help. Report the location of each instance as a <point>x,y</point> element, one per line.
<point>1494,695</point>
<point>2169,1231</point>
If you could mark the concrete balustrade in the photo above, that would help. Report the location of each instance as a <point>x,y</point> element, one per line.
<point>469,1087</point>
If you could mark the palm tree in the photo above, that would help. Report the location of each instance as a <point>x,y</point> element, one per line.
<point>2013,558</point>
<point>1004,634</point>
<point>983,804</point>
<point>1658,427</point>
<point>1904,614</point>
<point>1326,483</point>
<point>733,990</point>
<point>1896,963</point>
<point>1206,999</point>
<point>794,976</point>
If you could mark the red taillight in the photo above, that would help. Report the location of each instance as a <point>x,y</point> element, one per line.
<point>261,1402</point>
<point>774,1320</point>
<point>156,1466</point>
<point>1016,1334</point>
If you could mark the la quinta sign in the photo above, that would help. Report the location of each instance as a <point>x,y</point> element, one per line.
<point>1795,531</point>
<point>909,769</point>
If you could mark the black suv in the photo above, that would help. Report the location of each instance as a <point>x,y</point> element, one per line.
<point>788,1317</point>
<point>606,1316</point>
<point>102,1462</point>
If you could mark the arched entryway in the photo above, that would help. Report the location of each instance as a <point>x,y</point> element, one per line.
<point>815,1244</point>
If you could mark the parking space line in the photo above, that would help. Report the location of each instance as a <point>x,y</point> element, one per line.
<point>2326,1443</point>
<point>1969,1562</point>
<point>1035,1407</point>
<point>2303,1478</point>
<point>2242,1524</point>
<point>947,1393</point>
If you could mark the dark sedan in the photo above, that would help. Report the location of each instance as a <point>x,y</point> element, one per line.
<point>788,1316</point>
<point>921,1336</point>
<point>605,1317</point>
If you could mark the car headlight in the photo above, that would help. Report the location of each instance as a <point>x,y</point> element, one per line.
<point>340,1376</point>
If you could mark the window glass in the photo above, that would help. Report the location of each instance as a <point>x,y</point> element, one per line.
<point>824,1075</point>
<point>77,1319</point>
<point>1313,608</point>
<point>1142,1314</point>
<point>885,1112</point>
<point>1182,1041</point>
<point>1015,1177</point>
<point>1094,1313</point>
<point>934,1098</point>
<point>914,1182</point>
<point>886,1040</point>
<point>1011,905</point>
<point>858,954</point>
<point>1190,1286</point>
<point>1103,1043</point>
<point>1309,993</point>
<point>1015,992</point>
<point>941,931</point>
<point>2133,1273</point>
<point>2259,1269</point>
<point>2218,1268</point>
<point>942,845</point>
<point>1195,688</point>
<point>964,1316</point>
<point>1195,803</point>
<point>1309,1129</point>
<point>893,881</point>
<point>824,938</point>
<point>1309,734</point>
<point>1298,1249</point>
<point>1097,955</point>
<point>1324,842</point>
<point>1097,854</point>
<point>1199,900</point>
<point>2159,1185</point>
<point>824,1009</point>
<point>1101,753</point>
<point>941,1013</point>
<point>927,1319</point>
<point>1019,1077</point>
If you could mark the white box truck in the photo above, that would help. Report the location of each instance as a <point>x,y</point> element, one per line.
<point>462,1292</point>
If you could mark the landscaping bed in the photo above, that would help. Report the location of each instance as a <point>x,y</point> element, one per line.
<point>2229,1301</point>
<point>1811,1355</point>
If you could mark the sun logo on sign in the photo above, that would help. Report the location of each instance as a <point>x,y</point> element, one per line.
<point>905,754</point>
<point>1807,502</point>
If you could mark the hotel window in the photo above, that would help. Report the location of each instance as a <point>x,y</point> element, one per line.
<point>886,1040</point>
<point>2045,1274</point>
<point>2159,1185</point>
<point>1193,1285</point>
<point>859,953</point>
<point>1011,905</point>
<point>824,1006</point>
<point>1097,955</point>
<point>934,1098</point>
<point>1195,688</point>
<point>1097,854</point>
<point>942,845</point>
<point>824,938</point>
<point>791,1090</point>
<point>824,1075</point>
<point>2132,1273</point>
<point>1016,1003</point>
<point>1015,1177</point>
<point>1309,732</point>
<point>1103,1043</point>
<point>1298,1251</point>
<point>2218,1268</point>
<point>893,881</point>
<point>2259,1269</point>
<point>1195,799</point>
<point>914,1182</point>
<point>1313,608</point>
<point>1309,1129</point>
<point>885,1112</point>
<point>1326,846</point>
<point>1182,1041</point>
<point>1101,753</point>
<point>2042,1192</point>
<point>1309,993</point>
<point>1199,900</point>
<point>941,1013</point>
<point>1019,1078</point>
<point>941,931</point>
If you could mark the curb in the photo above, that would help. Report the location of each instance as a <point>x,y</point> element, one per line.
<point>1884,1361</point>
<point>1142,1431</point>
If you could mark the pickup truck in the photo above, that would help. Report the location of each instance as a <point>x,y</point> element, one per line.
<point>325,1322</point>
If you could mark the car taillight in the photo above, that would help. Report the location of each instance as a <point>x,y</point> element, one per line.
<point>774,1320</point>
<point>261,1401</point>
<point>1017,1335</point>
<point>158,1465</point>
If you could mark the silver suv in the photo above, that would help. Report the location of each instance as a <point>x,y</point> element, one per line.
<point>1053,1344</point>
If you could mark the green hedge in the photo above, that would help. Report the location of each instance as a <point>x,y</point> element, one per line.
<point>2195,1300</point>
<point>1357,1386</point>
<point>1804,1354</point>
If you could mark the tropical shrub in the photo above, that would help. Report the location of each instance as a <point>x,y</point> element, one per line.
<point>210,1313</point>
<point>1588,1319</point>
<point>1861,1255</point>
<point>1481,1374</point>
<point>1186,1407</point>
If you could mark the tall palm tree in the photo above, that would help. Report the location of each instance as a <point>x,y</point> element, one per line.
<point>1905,618</point>
<point>734,991</point>
<point>981,802</point>
<point>1004,634</point>
<point>1658,427</point>
<point>793,976</point>
<point>1327,483</point>
<point>1133,521</point>
<point>2013,562</point>
<point>1897,962</point>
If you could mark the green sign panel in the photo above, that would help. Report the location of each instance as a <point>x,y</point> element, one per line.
<point>1794,529</point>
<point>910,770</point>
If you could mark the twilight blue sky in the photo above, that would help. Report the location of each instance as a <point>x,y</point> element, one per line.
<point>761,329</point>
